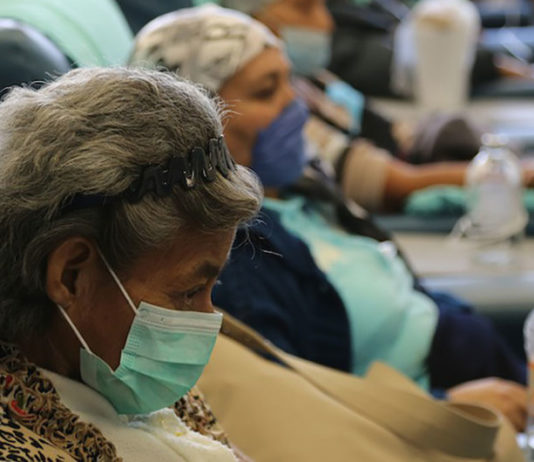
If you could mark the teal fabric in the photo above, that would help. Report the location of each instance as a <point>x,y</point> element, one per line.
<point>376,288</point>
<point>342,94</point>
<point>448,201</point>
<point>89,32</point>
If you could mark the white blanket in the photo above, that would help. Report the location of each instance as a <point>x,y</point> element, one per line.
<point>160,436</point>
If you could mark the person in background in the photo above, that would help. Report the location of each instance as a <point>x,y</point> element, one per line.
<point>119,202</point>
<point>300,277</point>
<point>88,33</point>
<point>310,32</point>
<point>381,166</point>
<point>357,42</point>
<point>306,28</point>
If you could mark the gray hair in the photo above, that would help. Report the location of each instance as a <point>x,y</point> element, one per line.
<point>90,132</point>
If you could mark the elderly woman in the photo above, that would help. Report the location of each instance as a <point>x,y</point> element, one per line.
<point>334,297</point>
<point>118,205</point>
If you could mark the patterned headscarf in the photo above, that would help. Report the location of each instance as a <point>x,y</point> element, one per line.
<point>207,44</point>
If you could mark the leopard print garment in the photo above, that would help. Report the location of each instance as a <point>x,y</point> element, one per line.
<point>193,410</point>
<point>29,399</point>
<point>17,443</point>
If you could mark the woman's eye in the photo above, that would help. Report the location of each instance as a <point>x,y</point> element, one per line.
<point>192,293</point>
<point>265,93</point>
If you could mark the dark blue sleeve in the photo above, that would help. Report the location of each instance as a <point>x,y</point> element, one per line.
<point>439,393</point>
<point>280,292</point>
<point>246,298</point>
<point>467,347</point>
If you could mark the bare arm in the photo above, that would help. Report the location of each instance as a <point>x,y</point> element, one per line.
<point>376,180</point>
<point>511,67</point>
<point>402,179</point>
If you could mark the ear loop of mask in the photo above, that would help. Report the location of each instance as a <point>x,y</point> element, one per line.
<point>74,328</point>
<point>122,289</point>
<point>117,281</point>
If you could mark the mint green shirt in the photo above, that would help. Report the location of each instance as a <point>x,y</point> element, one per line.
<point>89,32</point>
<point>389,320</point>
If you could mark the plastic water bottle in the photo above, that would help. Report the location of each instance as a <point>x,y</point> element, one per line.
<point>528,332</point>
<point>496,216</point>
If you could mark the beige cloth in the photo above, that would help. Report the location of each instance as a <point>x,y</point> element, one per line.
<point>327,142</point>
<point>306,412</point>
<point>364,174</point>
<point>364,171</point>
<point>364,168</point>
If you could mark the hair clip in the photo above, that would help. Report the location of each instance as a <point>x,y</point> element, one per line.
<point>199,165</point>
<point>187,172</point>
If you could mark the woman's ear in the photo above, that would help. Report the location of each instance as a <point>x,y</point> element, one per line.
<point>67,268</point>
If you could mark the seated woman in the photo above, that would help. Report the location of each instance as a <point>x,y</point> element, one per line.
<point>118,205</point>
<point>362,47</point>
<point>297,276</point>
<point>378,162</point>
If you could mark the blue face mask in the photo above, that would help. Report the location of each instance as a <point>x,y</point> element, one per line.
<point>309,50</point>
<point>164,356</point>
<point>279,154</point>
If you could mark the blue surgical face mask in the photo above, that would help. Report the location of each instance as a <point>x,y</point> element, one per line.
<point>279,154</point>
<point>164,356</point>
<point>309,50</point>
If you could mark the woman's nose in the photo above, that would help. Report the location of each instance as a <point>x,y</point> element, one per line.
<point>206,306</point>
<point>288,93</point>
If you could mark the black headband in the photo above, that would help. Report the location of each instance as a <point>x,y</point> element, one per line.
<point>200,165</point>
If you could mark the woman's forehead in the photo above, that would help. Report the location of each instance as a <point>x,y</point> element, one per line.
<point>191,255</point>
<point>271,62</point>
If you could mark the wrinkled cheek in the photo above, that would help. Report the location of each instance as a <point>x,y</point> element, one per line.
<point>112,341</point>
<point>240,141</point>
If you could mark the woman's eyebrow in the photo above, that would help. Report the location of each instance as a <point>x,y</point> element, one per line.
<point>203,271</point>
<point>207,270</point>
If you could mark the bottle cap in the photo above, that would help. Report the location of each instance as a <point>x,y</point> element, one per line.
<point>494,140</point>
